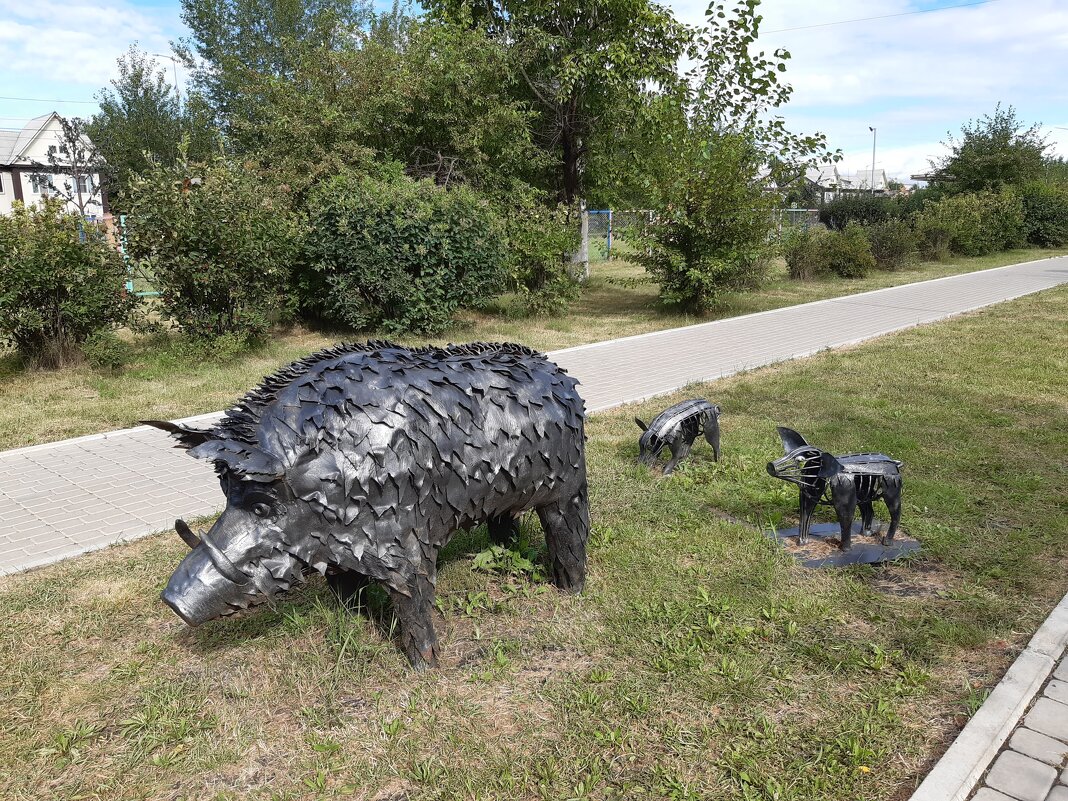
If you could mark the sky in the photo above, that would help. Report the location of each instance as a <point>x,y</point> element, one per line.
<point>914,77</point>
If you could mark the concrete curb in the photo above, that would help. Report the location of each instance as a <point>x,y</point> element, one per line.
<point>957,773</point>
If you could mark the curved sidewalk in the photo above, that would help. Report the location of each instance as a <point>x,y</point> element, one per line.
<point>62,499</point>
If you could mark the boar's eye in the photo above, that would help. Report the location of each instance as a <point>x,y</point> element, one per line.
<point>261,509</point>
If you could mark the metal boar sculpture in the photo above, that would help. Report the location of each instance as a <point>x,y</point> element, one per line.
<point>843,482</point>
<point>361,461</point>
<point>676,428</point>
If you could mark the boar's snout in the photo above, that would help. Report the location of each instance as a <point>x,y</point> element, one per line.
<point>174,601</point>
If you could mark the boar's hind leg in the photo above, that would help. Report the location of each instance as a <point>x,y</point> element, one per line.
<point>348,586</point>
<point>414,613</point>
<point>503,529</point>
<point>567,525</point>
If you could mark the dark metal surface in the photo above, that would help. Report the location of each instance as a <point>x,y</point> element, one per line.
<point>676,428</point>
<point>844,482</point>
<point>821,549</point>
<point>362,460</point>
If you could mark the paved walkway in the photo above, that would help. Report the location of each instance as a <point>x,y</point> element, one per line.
<point>66,498</point>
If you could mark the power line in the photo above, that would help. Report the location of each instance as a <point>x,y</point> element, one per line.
<point>884,16</point>
<point>46,100</point>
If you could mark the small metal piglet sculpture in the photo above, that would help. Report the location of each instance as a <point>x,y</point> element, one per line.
<point>843,482</point>
<point>676,428</point>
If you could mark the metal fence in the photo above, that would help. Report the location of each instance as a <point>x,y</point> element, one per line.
<point>791,218</point>
<point>613,233</point>
<point>139,282</point>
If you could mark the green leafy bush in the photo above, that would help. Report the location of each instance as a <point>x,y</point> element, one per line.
<point>893,243</point>
<point>933,241</point>
<point>61,280</point>
<point>219,244</point>
<point>846,253</point>
<point>978,223</point>
<point>801,249</point>
<point>401,255</point>
<point>105,351</point>
<point>540,241</point>
<point>1045,214</point>
<point>714,236</point>
<point>861,209</point>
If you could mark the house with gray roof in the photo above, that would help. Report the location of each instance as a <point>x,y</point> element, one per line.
<point>26,174</point>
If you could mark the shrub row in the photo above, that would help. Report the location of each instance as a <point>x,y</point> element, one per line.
<point>364,252</point>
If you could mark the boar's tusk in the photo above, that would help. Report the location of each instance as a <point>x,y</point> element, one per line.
<point>222,562</point>
<point>186,533</point>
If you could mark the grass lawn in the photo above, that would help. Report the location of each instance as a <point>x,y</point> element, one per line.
<point>701,663</point>
<point>169,380</point>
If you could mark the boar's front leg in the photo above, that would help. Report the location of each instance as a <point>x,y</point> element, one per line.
<point>503,529</point>
<point>348,586</point>
<point>567,527</point>
<point>415,614</point>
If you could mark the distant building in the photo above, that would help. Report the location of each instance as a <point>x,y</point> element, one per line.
<point>24,170</point>
<point>834,182</point>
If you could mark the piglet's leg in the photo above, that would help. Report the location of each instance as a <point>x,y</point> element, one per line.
<point>567,526</point>
<point>844,497</point>
<point>712,435</point>
<point>680,449</point>
<point>806,507</point>
<point>867,514</point>
<point>348,586</point>
<point>503,529</point>
<point>415,615</point>
<point>892,496</point>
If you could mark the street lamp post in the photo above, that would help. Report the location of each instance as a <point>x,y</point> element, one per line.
<point>872,159</point>
<point>174,63</point>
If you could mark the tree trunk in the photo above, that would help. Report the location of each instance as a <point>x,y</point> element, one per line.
<point>572,183</point>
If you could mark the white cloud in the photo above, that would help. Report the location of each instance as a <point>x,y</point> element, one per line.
<point>75,43</point>
<point>913,77</point>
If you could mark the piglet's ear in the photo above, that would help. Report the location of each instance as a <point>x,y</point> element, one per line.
<point>829,466</point>
<point>791,440</point>
<point>241,459</point>
<point>187,437</point>
<point>641,425</point>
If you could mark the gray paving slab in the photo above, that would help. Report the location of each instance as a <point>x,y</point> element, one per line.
<point>1058,691</point>
<point>1021,777</point>
<point>986,794</point>
<point>60,499</point>
<point>1058,793</point>
<point>1038,746</point>
<point>1062,670</point>
<point>1048,717</point>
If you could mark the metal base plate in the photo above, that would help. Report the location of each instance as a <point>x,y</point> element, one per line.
<point>822,548</point>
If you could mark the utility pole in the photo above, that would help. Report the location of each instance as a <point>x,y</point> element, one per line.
<point>872,159</point>
<point>174,63</point>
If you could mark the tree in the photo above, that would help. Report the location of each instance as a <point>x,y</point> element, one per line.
<point>713,234</point>
<point>993,152</point>
<point>236,44</point>
<point>74,157</point>
<point>142,122</point>
<point>580,62</point>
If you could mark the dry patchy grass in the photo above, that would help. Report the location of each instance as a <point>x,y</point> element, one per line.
<point>702,662</point>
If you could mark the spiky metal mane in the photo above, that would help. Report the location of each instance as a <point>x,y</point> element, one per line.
<point>241,421</point>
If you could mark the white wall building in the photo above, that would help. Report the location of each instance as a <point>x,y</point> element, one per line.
<point>24,160</point>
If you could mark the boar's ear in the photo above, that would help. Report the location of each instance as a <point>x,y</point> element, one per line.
<point>791,440</point>
<point>187,437</point>
<point>241,459</point>
<point>641,425</point>
<point>829,466</point>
